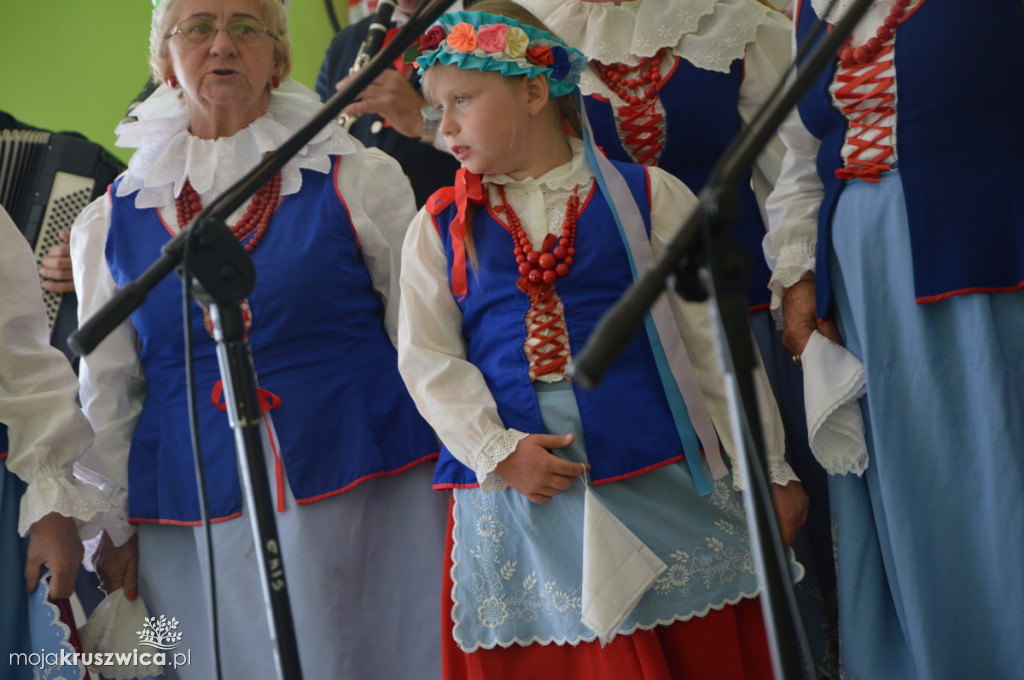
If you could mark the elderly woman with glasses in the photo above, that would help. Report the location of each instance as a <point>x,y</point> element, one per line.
<point>361,530</point>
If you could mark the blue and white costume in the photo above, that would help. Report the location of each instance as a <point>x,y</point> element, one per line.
<point>718,62</point>
<point>517,569</point>
<point>901,190</point>
<point>360,529</point>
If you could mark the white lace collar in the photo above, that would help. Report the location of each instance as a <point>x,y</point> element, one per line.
<point>168,154</point>
<point>565,177</point>
<point>639,28</point>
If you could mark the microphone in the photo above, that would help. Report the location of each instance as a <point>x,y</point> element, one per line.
<point>379,26</point>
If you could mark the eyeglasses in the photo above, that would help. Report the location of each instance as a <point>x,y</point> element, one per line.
<point>241,31</point>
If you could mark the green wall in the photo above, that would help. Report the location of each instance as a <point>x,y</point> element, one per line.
<point>76,65</point>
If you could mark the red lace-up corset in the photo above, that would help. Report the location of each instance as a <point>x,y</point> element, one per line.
<point>865,93</point>
<point>641,118</point>
<point>547,342</point>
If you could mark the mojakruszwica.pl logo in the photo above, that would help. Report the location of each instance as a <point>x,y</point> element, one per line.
<point>159,634</point>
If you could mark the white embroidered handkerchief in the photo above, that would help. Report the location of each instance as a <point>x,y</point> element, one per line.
<point>833,382</point>
<point>617,569</point>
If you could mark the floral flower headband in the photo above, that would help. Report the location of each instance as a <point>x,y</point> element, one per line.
<point>490,42</point>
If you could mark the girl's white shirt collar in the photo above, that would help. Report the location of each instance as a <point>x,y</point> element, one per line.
<point>167,154</point>
<point>627,32</point>
<point>565,177</point>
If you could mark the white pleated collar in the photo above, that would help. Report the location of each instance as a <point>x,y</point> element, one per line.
<point>167,154</point>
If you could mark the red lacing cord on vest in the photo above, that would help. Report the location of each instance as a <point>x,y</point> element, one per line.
<point>546,325</point>
<point>643,130</point>
<point>865,109</point>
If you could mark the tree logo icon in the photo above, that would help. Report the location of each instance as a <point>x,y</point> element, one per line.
<point>159,633</point>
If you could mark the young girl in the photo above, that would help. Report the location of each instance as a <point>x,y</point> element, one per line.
<point>663,88</point>
<point>503,278</point>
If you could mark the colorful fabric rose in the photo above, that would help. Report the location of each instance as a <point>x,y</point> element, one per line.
<point>491,42</point>
<point>434,36</point>
<point>462,38</point>
<point>539,55</point>
<point>492,38</point>
<point>516,42</point>
<point>559,63</point>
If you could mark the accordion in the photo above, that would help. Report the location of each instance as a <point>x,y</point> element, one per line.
<point>46,180</point>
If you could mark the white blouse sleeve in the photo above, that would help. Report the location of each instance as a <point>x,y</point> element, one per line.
<point>764,66</point>
<point>112,386</point>
<point>381,204</point>
<point>792,207</point>
<point>46,430</point>
<point>671,204</point>
<point>449,391</point>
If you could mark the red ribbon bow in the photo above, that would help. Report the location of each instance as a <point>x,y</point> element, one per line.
<point>468,188</point>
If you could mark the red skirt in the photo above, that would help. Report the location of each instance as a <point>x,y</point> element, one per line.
<point>724,645</point>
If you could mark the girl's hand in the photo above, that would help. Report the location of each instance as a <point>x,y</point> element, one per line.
<point>535,472</point>
<point>790,509</point>
<point>118,566</point>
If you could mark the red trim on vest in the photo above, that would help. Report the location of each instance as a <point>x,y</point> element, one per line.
<point>382,473</point>
<point>634,473</point>
<point>928,299</point>
<point>337,191</point>
<point>182,523</point>
<point>641,471</point>
<point>452,485</point>
<point>300,501</point>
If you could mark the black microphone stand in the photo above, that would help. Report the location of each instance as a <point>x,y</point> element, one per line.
<point>707,260</point>
<point>222,276</point>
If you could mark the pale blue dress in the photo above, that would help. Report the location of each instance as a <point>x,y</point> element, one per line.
<point>931,539</point>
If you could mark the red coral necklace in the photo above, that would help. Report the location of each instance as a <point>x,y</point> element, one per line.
<point>634,84</point>
<point>555,256</point>
<point>851,56</point>
<point>255,220</point>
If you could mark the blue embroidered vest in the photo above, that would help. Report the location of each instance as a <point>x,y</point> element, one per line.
<point>318,343</point>
<point>959,143</point>
<point>626,420</point>
<point>701,110</point>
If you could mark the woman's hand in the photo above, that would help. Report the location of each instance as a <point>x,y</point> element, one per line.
<point>55,267</point>
<point>535,472</point>
<point>800,317</point>
<point>53,543</point>
<point>118,566</point>
<point>790,509</point>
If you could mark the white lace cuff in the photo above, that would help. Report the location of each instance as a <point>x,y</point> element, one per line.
<point>779,472</point>
<point>496,449</point>
<point>793,263</point>
<point>114,520</point>
<point>63,494</point>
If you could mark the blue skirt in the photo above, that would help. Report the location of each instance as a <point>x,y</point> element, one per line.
<point>930,542</point>
<point>517,568</point>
